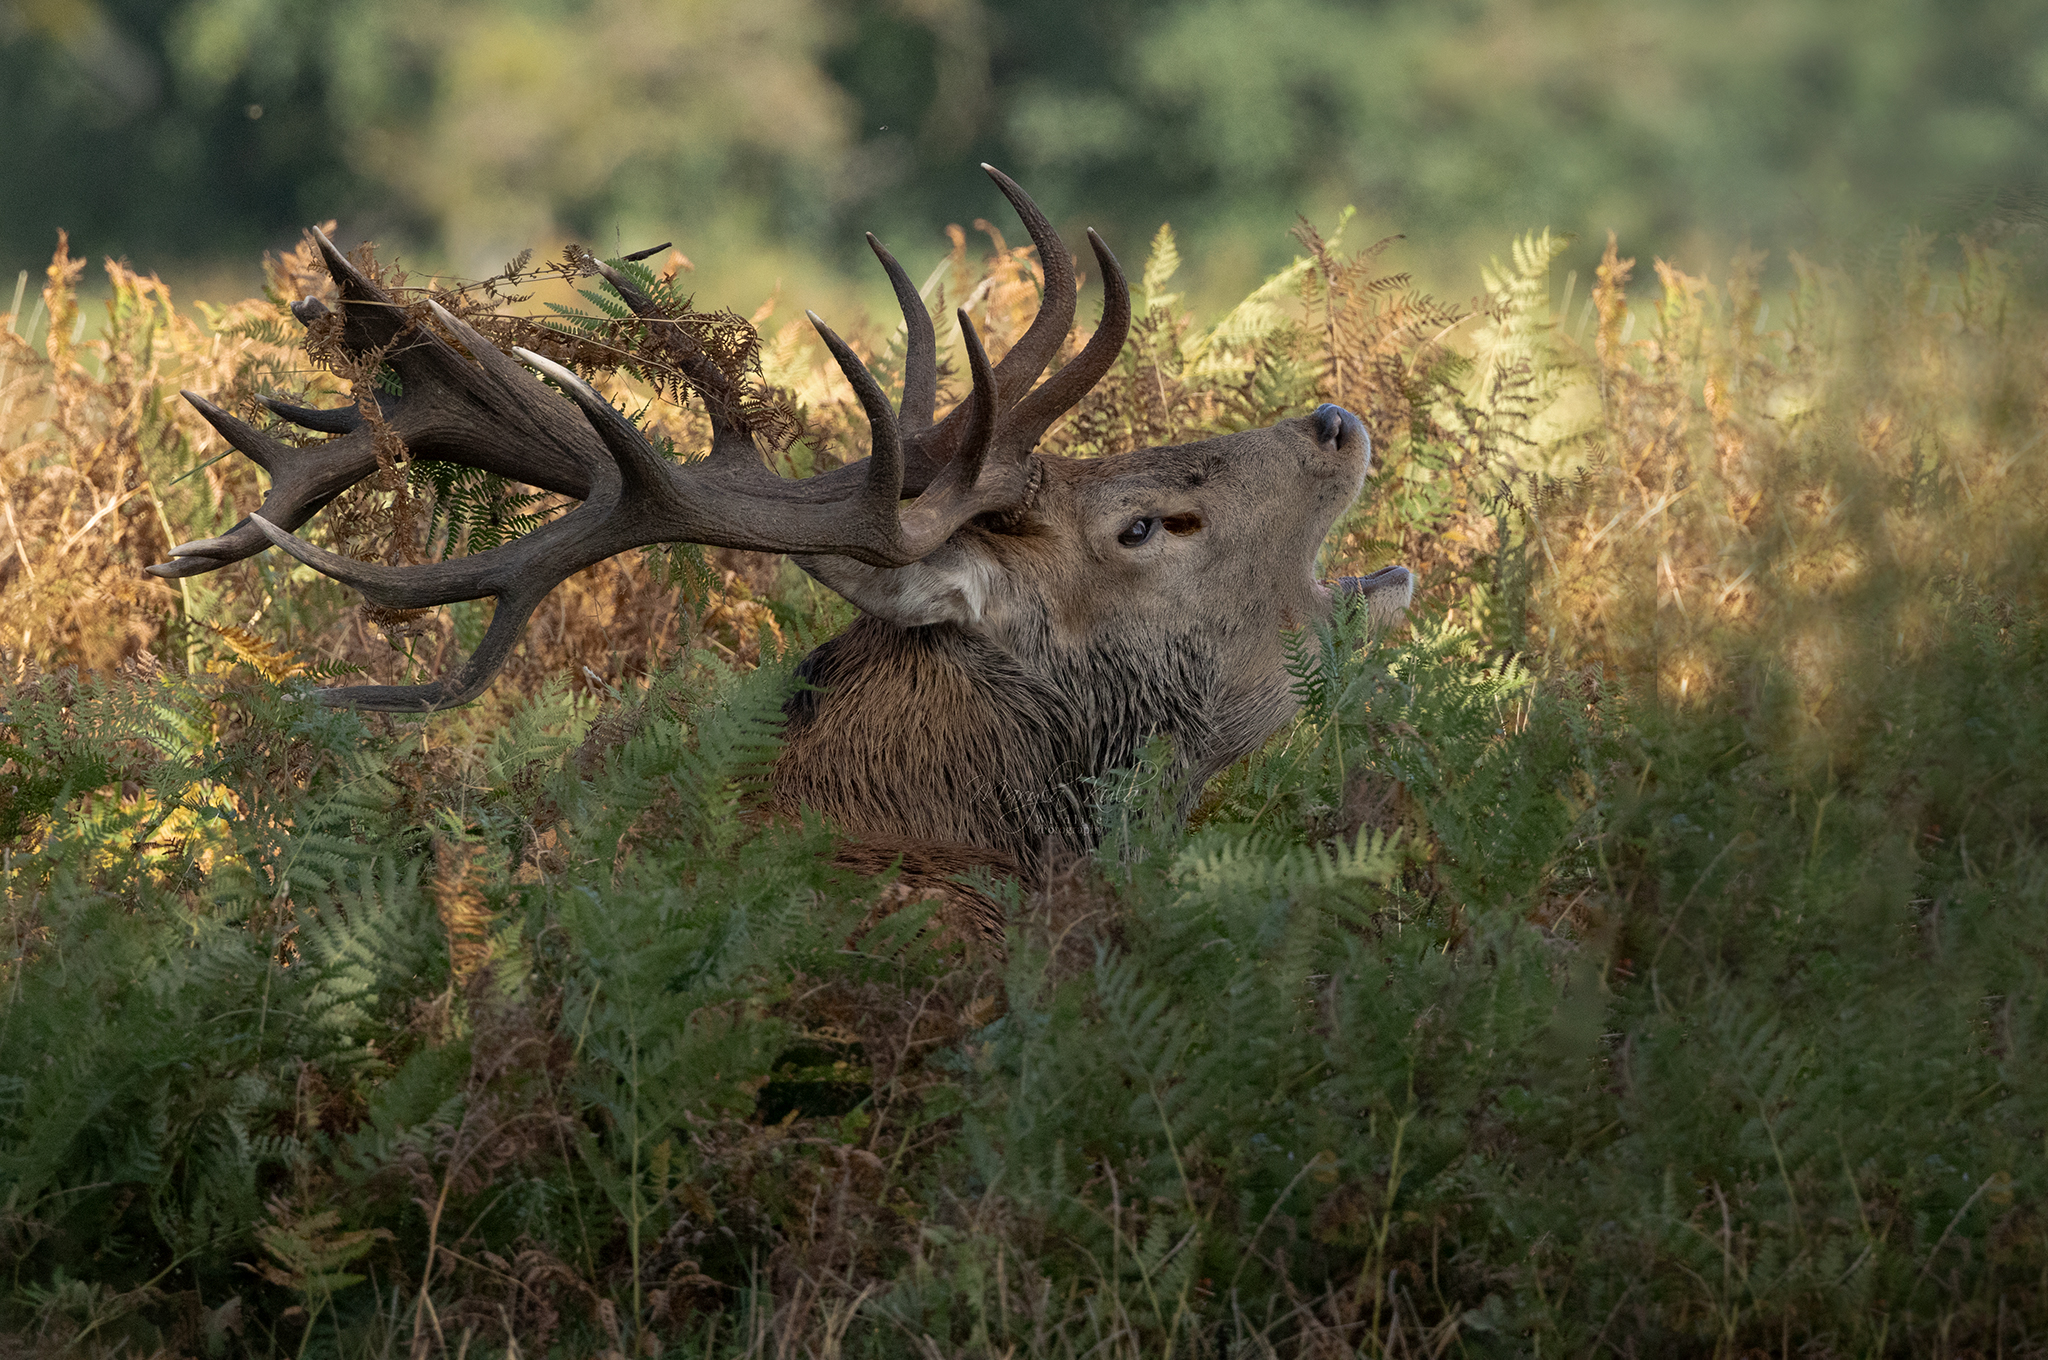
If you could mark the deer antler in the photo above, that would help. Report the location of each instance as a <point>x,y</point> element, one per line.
<point>484,411</point>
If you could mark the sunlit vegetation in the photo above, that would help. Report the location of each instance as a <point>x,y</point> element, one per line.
<point>1642,952</point>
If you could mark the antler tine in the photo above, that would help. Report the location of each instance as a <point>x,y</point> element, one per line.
<point>264,450</point>
<point>415,587</point>
<point>508,621</point>
<point>643,469</point>
<point>986,417</point>
<point>883,486</point>
<point>201,555</point>
<point>1048,330</point>
<point>971,484</point>
<point>376,324</point>
<point>320,419</point>
<point>1058,394</point>
<point>920,346</point>
<point>492,360</point>
<point>370,317</point>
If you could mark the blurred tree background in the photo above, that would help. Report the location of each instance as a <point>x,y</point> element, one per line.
<point>762,137</point>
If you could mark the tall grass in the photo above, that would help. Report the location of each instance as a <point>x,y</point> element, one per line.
<point>1642,954</point>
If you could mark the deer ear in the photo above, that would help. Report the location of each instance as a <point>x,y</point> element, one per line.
<point>955,584</point>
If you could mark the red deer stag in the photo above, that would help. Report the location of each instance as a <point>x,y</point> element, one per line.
<point>1027,621</point>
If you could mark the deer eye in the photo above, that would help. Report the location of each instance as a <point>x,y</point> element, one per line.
<point>1138,531</point>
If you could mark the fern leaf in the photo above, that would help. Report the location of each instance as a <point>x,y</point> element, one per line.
<point>275,662</point>
<point>1160,267</point>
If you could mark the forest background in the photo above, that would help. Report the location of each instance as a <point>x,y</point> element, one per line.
<point>190,135</point>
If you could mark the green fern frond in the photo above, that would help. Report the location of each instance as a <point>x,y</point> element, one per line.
<point>1161,264</point>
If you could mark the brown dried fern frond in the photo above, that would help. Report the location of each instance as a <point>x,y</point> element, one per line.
<point>465,913</point>
<point>102,468</point>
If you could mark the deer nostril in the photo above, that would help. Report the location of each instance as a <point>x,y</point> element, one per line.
<point>1329,424</point>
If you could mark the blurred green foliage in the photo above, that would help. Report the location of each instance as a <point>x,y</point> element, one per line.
<point>183,130</point>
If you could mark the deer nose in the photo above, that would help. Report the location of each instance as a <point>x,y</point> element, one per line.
<point>1332,423</point>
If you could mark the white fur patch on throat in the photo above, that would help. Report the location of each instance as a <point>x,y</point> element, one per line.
<point>957,590</point>
<point>954,585</point>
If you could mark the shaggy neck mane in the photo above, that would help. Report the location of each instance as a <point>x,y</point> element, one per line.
<point>937,734</point>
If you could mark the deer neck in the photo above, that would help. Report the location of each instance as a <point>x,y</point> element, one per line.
<point>939,734</point>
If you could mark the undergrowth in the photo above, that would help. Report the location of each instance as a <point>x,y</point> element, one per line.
<point>1642,953</point>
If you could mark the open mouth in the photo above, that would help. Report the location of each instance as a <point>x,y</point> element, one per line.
<point>1387,592</point>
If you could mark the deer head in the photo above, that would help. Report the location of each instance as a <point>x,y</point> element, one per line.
<point>1126,598</point>
<point>1028,620</point>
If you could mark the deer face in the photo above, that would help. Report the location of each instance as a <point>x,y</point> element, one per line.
<point>1222,533</point>
<point>1145,542</point>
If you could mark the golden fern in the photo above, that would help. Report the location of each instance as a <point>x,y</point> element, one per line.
<point>275,662</point>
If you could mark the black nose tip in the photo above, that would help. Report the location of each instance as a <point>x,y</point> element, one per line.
<point>1331,422</point>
